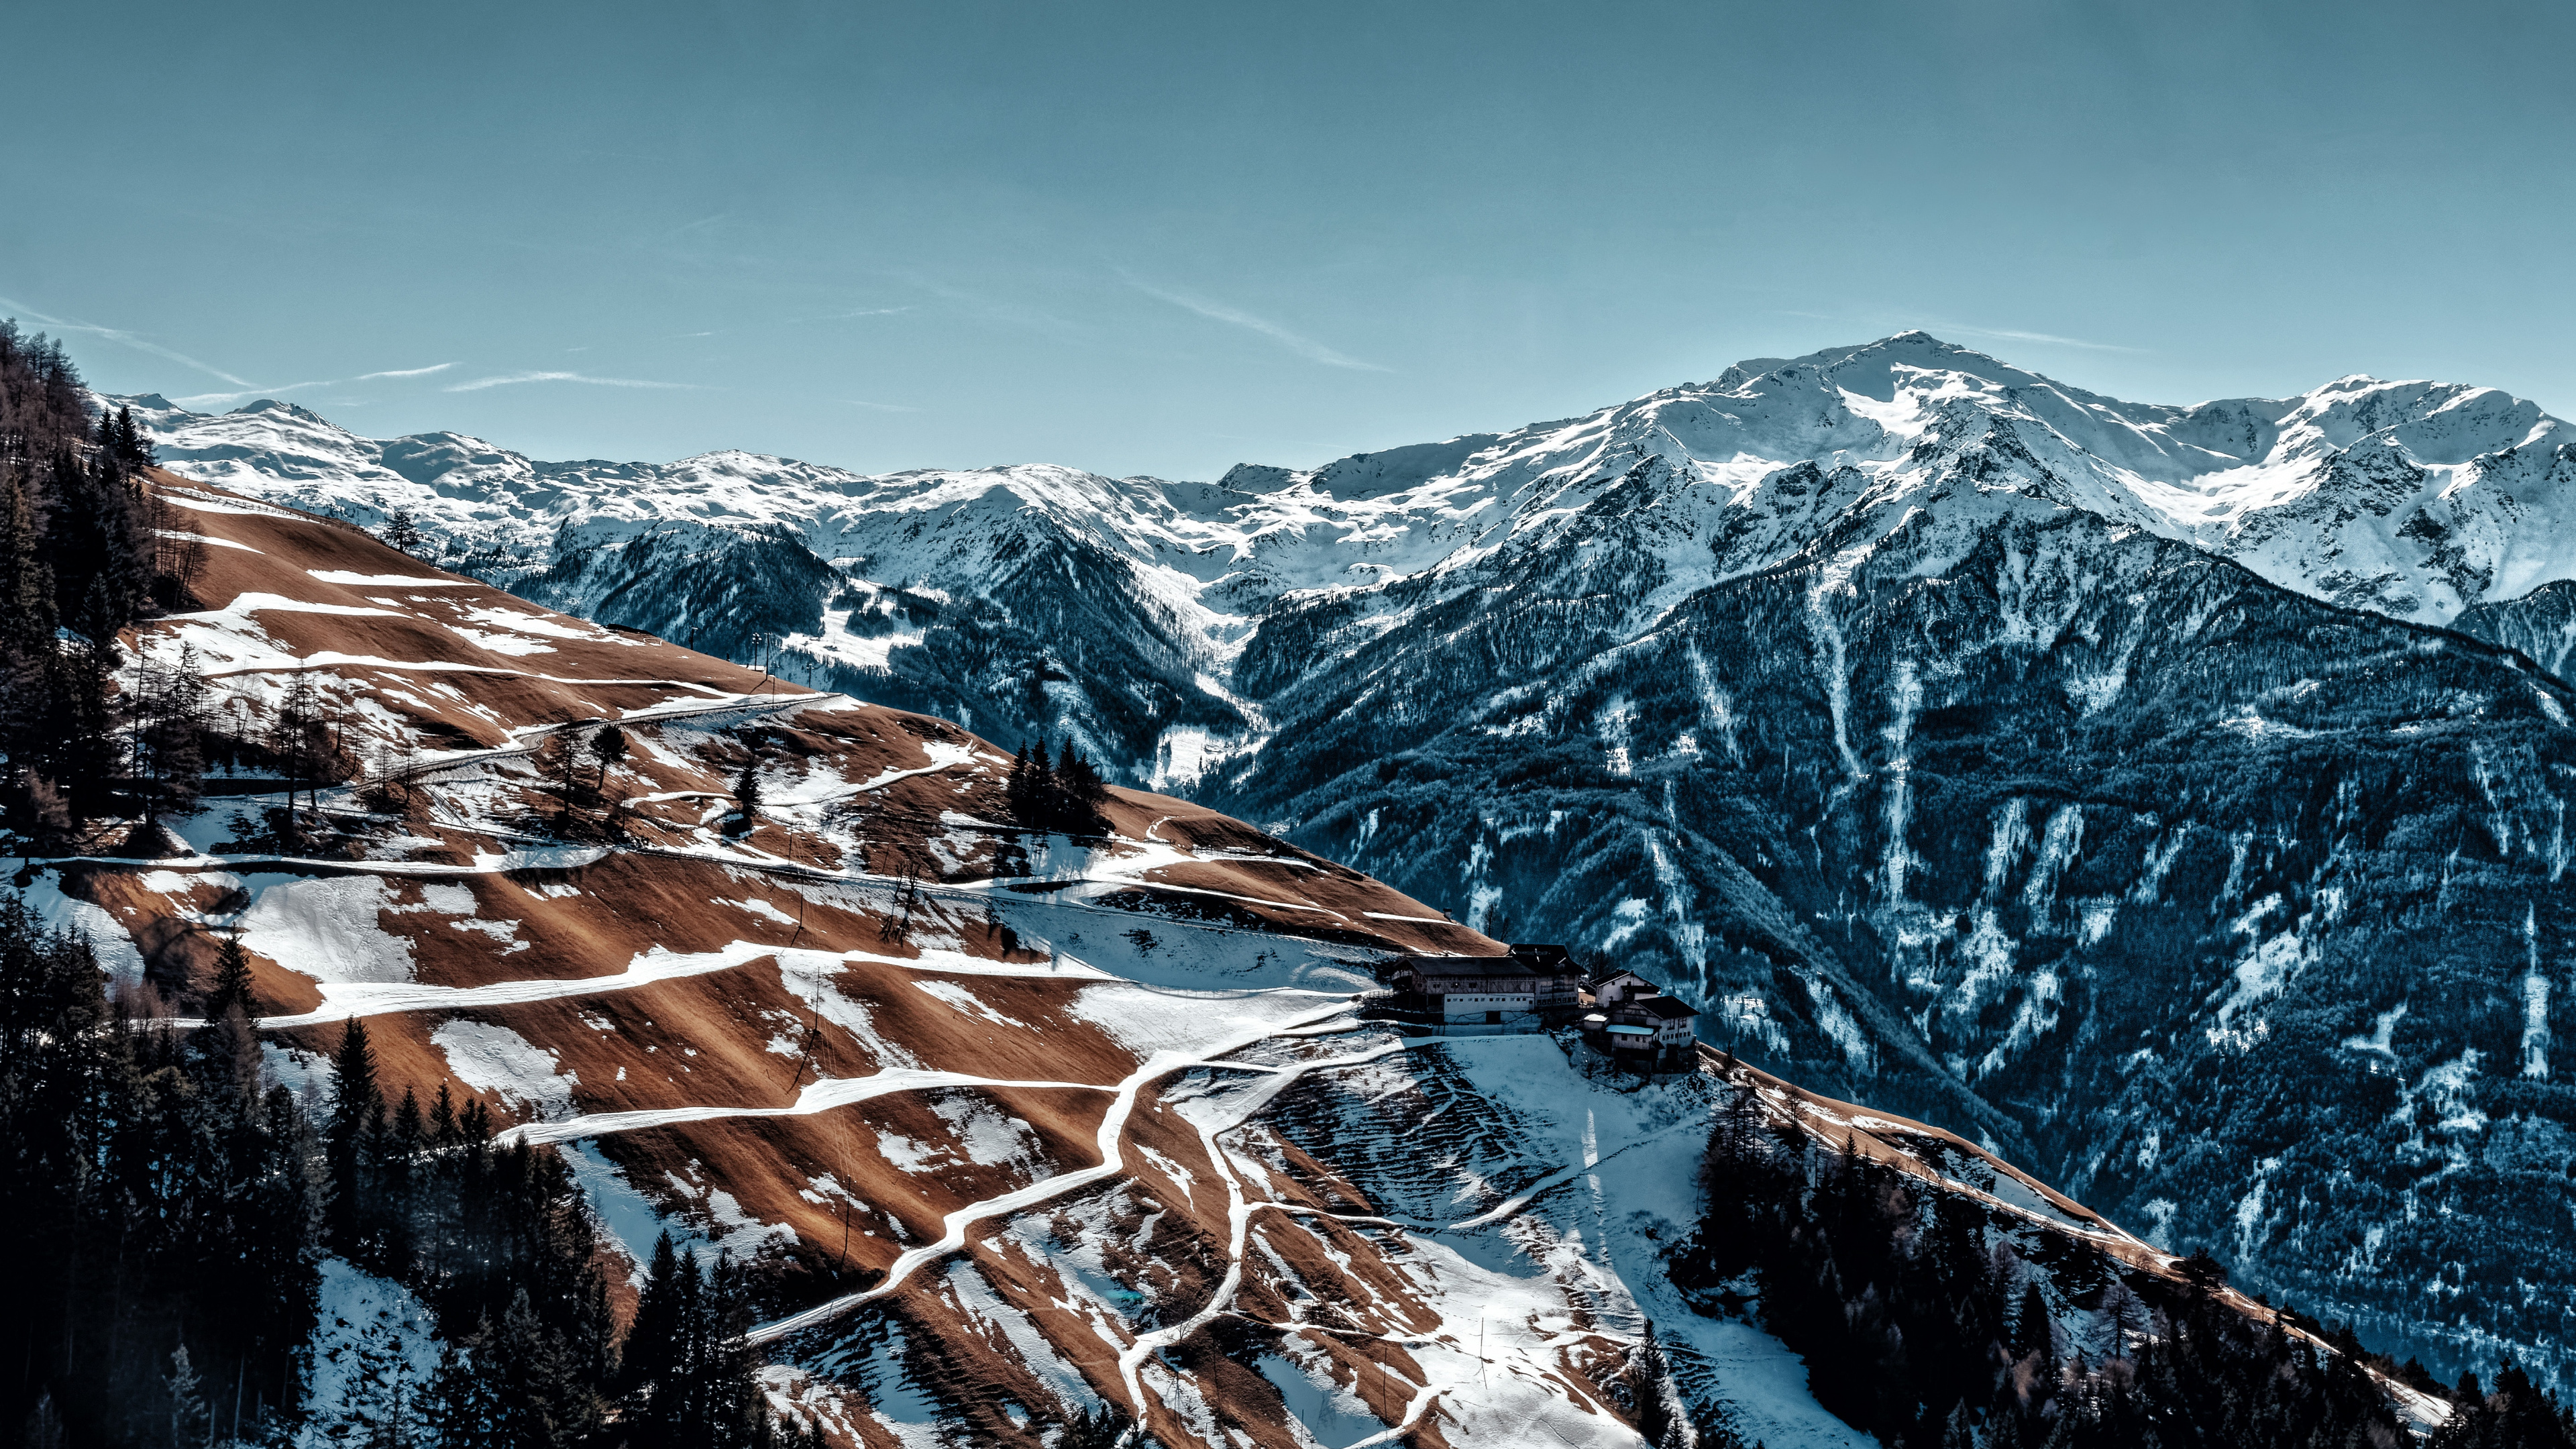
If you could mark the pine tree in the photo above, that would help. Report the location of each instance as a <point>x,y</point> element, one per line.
<point>442,1118</point>
<point>165,721</point>
<point>736,1413</point>
<point>465,1398</point>
<point>1080,780</point>
<point>402,531</point>
<point>357,1110</point>
<point>2033,1330</point>
<point>609,748</point>
<point>538,1403</point>
<point>1016,790</point>
<point>224,1055</point>
<point>567,772</point>
<point>187,1403</point>
<point>381,1399</point>
<point>2203,1272</point>
<point>1649,1381</point>
<point>29,661</point>
<point>1104,1427</point>
<point>293,732</point>
<point>653,1338</point>
<point>83,747</point>
<point>232,977</point>
<point>133,445</point>
<point>357,1101</point>
<point>746,789</point>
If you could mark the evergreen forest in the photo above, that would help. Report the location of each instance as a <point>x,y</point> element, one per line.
<point>1933,1322</point>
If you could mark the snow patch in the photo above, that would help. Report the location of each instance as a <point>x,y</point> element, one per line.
<point>492,1058</point>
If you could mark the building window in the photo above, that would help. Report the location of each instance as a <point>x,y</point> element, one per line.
<point>1493,1018</point>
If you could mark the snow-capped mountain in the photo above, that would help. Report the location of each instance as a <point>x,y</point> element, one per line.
<point>2417,500</point>
<point>946,1087</point>
<point>2094,778</point>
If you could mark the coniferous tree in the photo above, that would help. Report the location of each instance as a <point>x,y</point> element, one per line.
<point>1648,1380</point>
<point>232,984</point>
<point>652,1339</point>
<point>465,1397</point>
<point>1080,780</point>
<point>534,1388</point>
<point>608,748</point>
<point>303,742</point>
<point>187,1402</point>
<point>2516,1415</point>
<point>1102,1427</point>
<point>224,1060</point>
<point>133,448</point>
<point>402,531</point>
<point>1057,793</point>
<point>357,1112</point>
<point>30,668</point>
<point>1016,791</point>
<point>442,1119</point>
<point>566,768</point>
<point>165,725</point>
<point>178,1205</point>
<point>1938,1341</point>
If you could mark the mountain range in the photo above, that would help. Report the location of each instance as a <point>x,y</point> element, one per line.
<point>2170,799</point>
<point>781,978</point>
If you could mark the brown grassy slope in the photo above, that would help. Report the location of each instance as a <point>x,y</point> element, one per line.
<point>406,660</point>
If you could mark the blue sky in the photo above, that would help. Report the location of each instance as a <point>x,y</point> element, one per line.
<point>1165,238</point>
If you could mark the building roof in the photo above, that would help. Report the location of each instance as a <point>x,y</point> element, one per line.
<point>1488,967</point>
<point>1603,978</point>
<point>1555,959</point>
<point>1665,1008</point>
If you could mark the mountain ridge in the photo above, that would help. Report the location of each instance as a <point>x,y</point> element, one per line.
<point>593,949</point>
<point>1934,726</point>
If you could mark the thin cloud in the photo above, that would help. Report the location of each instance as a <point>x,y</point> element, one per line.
<point>403,372</point>
<point>992,309</point>
<point>2052,339</point>
<point>120,335</point>
<point>513,379</point>
<point>193,399</point>
<point>865,312</point>
<point>1303,346</point>
<point>245,387</point>
<point>699,224</point>
<point>880,407</point>
<point>247,391</point>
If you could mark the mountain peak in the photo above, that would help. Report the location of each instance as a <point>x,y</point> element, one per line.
<point>1864,366</point>
<point>275,405</point>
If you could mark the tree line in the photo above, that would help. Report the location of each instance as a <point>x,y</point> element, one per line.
<point>85,550</point>
<point>176,1206</point>
<point>1926,1327</point>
